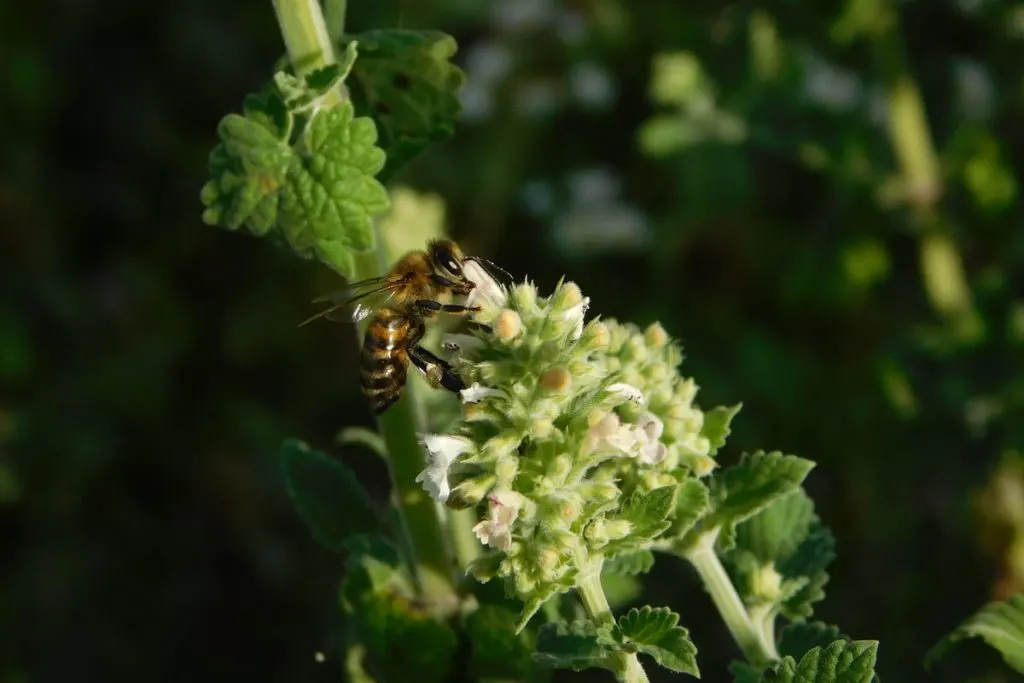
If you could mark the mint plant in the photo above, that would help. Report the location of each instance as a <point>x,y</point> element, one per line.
<point>577,457</point>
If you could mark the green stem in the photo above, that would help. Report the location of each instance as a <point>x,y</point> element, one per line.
<point>757,649</point>
<point>626,667</point>
<point>309,47</point>
<point>334,11</point>
<point>460,529</point>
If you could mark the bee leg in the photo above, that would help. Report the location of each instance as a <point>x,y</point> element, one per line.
<point>429,307</point>
<point>437,371</point>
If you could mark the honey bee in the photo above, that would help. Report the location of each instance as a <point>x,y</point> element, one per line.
<point>418,287</point>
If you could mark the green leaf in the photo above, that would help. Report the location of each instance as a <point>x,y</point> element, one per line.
<point>293,171</point>
<point>570,646</point>
<point>779,528</point>
<point>741,491</point>
<point>716,425</point>
<point>620,589</point>
<point>497,651</point>
<point>742,672</point>
<point>809,561</point>
<point>631,564</point>
<point>654,632</point>
<point>692,504</point>
<point>840,662</point>
<point>797,639</point>
<point>361,436</point>
<point>1000,624</point>
<point>648,513</point>
<point>409,85</point>
<point>329,497</point>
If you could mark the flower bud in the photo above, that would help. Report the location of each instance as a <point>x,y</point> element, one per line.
<point>508,325</point>
<point>541,429</point>
<point>617,528</point>
<point>470,492</point>
<point>567,296</point>
<point>556,379</point>
<point>655,335</point>
<point>767,583</point>
<point>506,469</point>
<point>595,336</point>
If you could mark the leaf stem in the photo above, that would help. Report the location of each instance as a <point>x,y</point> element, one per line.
<point>626,667</point>
<point>334,11</point>
<point>308,41</point>
<point>756,646</point>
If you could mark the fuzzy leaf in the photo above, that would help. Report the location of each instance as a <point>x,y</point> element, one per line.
<point>648,513</point>
<point>409,85</point>
<point>716,425</point>
<point>497,651</point>
<point>742,672</point>
<point>570,646</point>
<point>692,504</point>
<point>654,632</point>
<point>797,639</point>
<point>291,170</point>
<point>810,560</point>
<point>1000,624</point>
<point>741,491</point>
<point>329,497</point>
<point>631,564</point>
<point>840,662</point>
<point>778,529</point>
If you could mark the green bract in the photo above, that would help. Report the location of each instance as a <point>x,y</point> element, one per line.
<point>294,167</point>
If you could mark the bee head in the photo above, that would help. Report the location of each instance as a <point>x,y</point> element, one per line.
<point>446,258</point>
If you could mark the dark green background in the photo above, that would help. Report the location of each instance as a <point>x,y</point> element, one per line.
<point>150,365</point>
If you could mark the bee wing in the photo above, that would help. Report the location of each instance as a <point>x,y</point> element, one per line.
<point>379,289</point>
<point>499,274</point>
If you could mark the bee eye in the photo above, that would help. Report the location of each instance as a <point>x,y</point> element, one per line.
<point>451,265</point>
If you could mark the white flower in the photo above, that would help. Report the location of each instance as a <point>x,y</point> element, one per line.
<point>627,392</point>
<point>476,393</point>
<point>487,291</point>
<point>576,315</point>
<point>610,432</point>
<point>496,531</point>
<point>648,430</point>
<point>442,451</point>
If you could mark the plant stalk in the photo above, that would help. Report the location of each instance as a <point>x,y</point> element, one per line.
<point>308,41</point>
<point>627,667</point>
<point>757,648</point>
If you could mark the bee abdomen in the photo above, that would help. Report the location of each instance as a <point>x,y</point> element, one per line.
<point>383,361</point>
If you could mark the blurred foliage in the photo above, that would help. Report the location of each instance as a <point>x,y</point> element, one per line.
<point>739,171</point>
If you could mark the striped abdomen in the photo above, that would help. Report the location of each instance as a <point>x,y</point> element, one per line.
<point>385,358</point>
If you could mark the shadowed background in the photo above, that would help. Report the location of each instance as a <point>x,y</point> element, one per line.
<point>752,174</point>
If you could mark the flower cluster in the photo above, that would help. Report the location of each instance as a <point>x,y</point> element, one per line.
<point>565,420</point>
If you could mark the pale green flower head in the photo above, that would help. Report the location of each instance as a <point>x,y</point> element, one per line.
<point>568,427</point>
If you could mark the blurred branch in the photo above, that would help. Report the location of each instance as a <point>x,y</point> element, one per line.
<point>942,269</point>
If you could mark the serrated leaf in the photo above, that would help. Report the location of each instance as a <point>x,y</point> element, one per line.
<point>648,513</point>
<point>810,560</point>
<point>840,662</point>
<point>743,490</point>
<point>692,503</point>
<point>304,176</point>
<point>654,632</point>
<point>1000,624</point>
<point>328,496</point>
<point>410,87</point>
<point>570,646</point>
<point>779,528</point>
<point>496,650</point>
<point>631,564</point>
<point>797,639</point>
<point>716,425</point>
